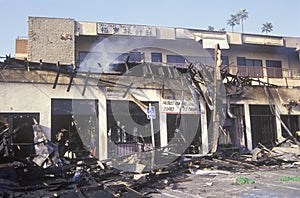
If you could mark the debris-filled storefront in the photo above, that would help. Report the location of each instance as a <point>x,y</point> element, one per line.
<point>109,122</point>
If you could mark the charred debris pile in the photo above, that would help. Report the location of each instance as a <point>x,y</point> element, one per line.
<point>43,173</point>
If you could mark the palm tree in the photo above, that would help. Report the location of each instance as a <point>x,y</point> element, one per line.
<point>242,15</point>
<point>267,27</point>
<point>211,28</point>
<point>233,21</point>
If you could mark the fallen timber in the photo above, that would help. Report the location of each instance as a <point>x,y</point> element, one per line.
<point>88,177</point>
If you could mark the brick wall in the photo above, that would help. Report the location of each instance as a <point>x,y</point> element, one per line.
<point>51,39</point>
<point>21,48</point>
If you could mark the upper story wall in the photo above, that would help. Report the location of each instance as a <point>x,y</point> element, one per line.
<point>51,39</point>
<point>258,52</point>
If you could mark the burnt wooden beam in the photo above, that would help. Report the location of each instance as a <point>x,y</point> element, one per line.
<point>86,82</point>
<point>41,63</point>
<point>57,75</point>
<point>126,63</point>
<point>71,80</point>
<point>127,90</point>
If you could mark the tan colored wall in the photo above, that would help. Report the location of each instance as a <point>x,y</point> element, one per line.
<point>234,38</point>
<point>86,28</point>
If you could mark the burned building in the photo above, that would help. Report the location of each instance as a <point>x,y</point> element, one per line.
<point>126,88</point>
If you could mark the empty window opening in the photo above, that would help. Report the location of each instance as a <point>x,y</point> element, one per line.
<point>293,124</point>
<point>18,127</point>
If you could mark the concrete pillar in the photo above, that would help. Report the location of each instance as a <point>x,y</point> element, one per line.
<point>278,126</point>
<point>45,119</point>
<point>248,126</point>
<point>203,122</point>
<point>102,126</point>
<point>163,129</point>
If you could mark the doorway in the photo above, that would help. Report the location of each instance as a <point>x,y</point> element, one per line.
<point>263,125</point>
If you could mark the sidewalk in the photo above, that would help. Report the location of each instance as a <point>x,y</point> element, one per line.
<point>222,184</point>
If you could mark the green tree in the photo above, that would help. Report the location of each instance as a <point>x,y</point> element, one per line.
<point>267,27</point>
<point>222,30</point>
<point>211,28</point>
<point>242,15</point>
<point>233,21</point>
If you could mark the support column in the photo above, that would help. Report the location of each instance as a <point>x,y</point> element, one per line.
<point>278,127</point>
<point>203,122</point>
<point>103,147</point>
<point>163,130</point>
<point>248,126</point>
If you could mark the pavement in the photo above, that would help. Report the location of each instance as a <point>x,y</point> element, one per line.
<point>217,183</point>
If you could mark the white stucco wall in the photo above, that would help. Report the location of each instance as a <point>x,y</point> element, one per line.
<point>36,98</point>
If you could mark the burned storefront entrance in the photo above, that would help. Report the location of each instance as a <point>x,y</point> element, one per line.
<point>19,132</point>
<point>129,129</point>
<point>186,129</point>
<point>233,133</point>
<point>263,125</point>
<point>183,124</point>
<point>77,122</point>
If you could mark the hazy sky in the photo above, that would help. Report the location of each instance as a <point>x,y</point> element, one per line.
<point>199,14</point>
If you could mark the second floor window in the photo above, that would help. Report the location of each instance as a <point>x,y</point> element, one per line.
<point>175,59</point>
<point>133,57</point>
<point>273,63</point>
<point>156,57</point>
<point>274,68</point>
<point>249,67</point>
<point>242,61</point>
<point>225,60</point>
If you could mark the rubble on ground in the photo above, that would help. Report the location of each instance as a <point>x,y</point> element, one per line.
<point>45,173</point>
<point>44,176</point>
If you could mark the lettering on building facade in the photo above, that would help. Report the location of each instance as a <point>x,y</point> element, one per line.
<point>186,106</point>
<point>128,30</point>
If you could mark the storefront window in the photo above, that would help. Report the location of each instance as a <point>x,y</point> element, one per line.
<point>79,121</point>
<point>182,129</point>
<point>129,129</point>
